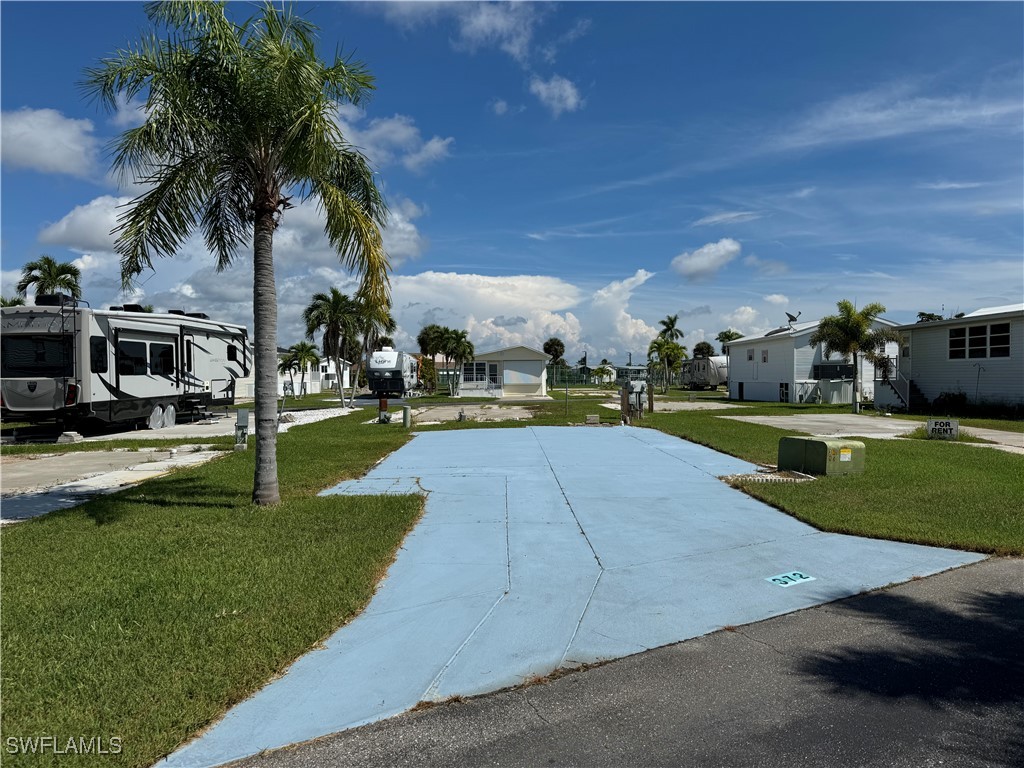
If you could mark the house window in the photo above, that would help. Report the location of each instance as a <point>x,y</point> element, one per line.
<point>473,372</point>
<point>957,343</point>
<point>750,355</point>
<point>999,340</point>
<point>764,355</point>
<point>979,341</point>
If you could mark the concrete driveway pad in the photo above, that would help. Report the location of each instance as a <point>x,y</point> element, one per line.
<point>550,547</point>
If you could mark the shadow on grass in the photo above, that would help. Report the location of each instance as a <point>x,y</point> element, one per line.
<point>180,491</point>
<point>969,661</point>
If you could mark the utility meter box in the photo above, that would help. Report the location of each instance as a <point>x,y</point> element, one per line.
<point>821,455</point>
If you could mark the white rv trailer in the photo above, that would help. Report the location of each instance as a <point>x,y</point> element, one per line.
<point>390,372</point>
<point>705,372</point>
<point>70,363</point>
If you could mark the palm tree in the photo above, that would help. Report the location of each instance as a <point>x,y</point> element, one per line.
<point>14,301</point>
<point>668,328</point>
<point>727,336</point>
<point>429,340</point>
<point>668,354</point>
<point>306,356</point>
<point>556,348</point>
<point>50,276</point>
<point>460,349</point>
<point>333,314</point>
<point>287,365</point>
<point>849,333</point>
<point>239,119</point>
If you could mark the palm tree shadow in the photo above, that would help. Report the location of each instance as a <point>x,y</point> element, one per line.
<point>969,661</point>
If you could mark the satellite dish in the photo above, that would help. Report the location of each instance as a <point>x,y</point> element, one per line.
<point>793,318</point>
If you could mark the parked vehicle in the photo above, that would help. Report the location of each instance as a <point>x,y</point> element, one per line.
<point>705,372</point>
<point>70,363</point>
<point>392,373</point>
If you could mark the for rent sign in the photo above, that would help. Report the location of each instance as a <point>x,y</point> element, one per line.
<point>943,429</point>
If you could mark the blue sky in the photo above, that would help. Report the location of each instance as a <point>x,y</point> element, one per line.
<point>583,170</point>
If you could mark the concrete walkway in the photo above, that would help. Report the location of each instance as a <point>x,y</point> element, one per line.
<point>551,547</point>
<point>880,427</point>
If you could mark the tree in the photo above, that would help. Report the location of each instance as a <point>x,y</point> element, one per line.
<point>460,350</point>
<point>334,315</point>
<point>703,349</point>
<point>727,336</point>
<point>305,356</point>
<point>287,365</point>
<point>384,341</point>
<point>850,334</point>
<point>239,120</point>
<point>14,301</point>
<point>429,340</point>
<point>667,354</point>
<point>668,328</point>
<point>927,317</point>
<point>554,347</point>
<point>47,275</point>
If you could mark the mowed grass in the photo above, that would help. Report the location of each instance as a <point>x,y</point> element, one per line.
<point>922,491</point>
<point>146,614</point>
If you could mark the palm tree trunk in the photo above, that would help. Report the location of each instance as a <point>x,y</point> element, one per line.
<point>265,489</point>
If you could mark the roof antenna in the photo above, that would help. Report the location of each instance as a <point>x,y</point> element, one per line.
<point>793,318</point>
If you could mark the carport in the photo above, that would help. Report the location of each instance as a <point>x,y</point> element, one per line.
<point>543,548</point>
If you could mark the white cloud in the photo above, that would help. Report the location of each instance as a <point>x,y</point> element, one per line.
<point>499,106</point>
<point>389,140</point>
<point>578,30</point>
<point>742,318</point>
<point>804,192</point>
<point>506,26</point>
<point>557,94</point>
<point>402,240</point>
<point>45,140</point>
<point>730,217</point>
<point>896,109</point>
<point>87,227</point>
<point>128,114</point>
<point>430,152</point>
<point>770,267</point>
<point>777,298</point>
<point>707,260</point>
<point>946,185</point>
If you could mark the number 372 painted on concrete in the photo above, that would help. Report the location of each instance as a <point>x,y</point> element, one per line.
<point>789,579</point>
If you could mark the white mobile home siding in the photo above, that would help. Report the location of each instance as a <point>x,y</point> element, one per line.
<point>929,366</point>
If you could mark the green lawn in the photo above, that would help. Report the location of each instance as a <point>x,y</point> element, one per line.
<point>146,614</point>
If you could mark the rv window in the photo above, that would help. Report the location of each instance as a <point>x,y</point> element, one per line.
<point>30,356</point>
<point>188,355</point>
<point>131,358</point>
<point>161,359</point>
<point>97,354</point>
<point>232,352</point>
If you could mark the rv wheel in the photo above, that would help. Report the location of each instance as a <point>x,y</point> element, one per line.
<point>170,416</point>
<point>156,418</point>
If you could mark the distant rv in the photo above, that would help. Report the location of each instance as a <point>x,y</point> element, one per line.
<point>390,372</point>
<point>705,372</point>
<point>70,363</point>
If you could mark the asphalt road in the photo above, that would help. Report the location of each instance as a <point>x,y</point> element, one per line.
<point>927,673</point>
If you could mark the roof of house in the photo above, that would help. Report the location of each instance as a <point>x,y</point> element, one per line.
<point>1007,310</point>
<point>791,331</point>
<point>509,353</point>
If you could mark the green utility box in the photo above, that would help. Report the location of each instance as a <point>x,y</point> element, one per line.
<point>821,456</point>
